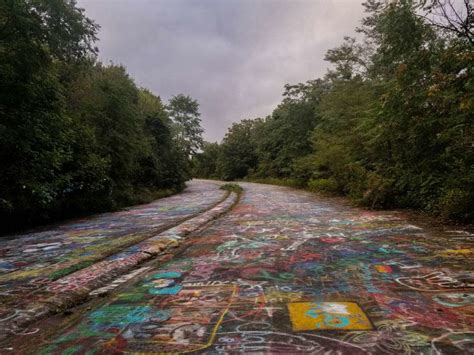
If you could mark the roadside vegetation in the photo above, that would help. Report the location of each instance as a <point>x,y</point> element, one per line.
<point>232,187</point>
<point>390,125</point>
<point>76,135</point>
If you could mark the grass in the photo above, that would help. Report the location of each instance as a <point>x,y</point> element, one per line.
<point>278,181</point>
<point>69,270</point>
<point>232,187</point>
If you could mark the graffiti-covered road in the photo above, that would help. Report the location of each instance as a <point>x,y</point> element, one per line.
<point>34,260</point>
<point>285,272</point>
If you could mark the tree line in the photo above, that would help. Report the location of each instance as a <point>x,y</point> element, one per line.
<point>78,136</point>
<point>390,124</point>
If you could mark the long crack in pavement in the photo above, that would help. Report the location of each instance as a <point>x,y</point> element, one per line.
<point>288,273</point>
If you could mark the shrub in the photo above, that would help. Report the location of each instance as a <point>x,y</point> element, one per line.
<point>323,185</point>
<point>456,204</point>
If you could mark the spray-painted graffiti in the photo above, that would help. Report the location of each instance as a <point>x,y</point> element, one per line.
<point>33,262</point>
<point>437,281</point>
<point>287,273</point>
<point>117,282</point>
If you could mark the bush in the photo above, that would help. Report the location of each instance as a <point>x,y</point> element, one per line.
<point>379,192</point>
<point>323,185</point>
<point>456,204</point>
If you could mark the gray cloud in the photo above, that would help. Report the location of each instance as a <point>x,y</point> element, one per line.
<point>233,56</point>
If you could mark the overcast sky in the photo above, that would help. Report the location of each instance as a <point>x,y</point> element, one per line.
<point>233,56</point>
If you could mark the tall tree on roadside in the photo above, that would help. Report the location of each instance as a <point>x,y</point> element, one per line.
<point>184,111</point>
<point>165,165</point>
<point>238,156</point>
<point>285,136</point>
<point>34,128</point>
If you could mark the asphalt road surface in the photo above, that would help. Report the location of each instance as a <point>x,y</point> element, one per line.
<point>31,261</point>
<point>284,272</point>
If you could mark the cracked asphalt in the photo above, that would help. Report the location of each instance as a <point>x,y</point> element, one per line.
<point>284,272</point>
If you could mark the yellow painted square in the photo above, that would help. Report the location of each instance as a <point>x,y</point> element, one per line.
<point>327,316</point>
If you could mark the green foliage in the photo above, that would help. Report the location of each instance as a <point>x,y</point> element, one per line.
<point>184,111</point>
<point>232,187</point>
<point>391,124</point>
<point>166,165</point>
<point>35,129</point>
<point>323,185</point>
<point>396,136</point>
<point>263,148</point>
<point>77,136</point>
<point>238,154</point>
<point>125,150</point>
<point>456,204</point>
<point>205,162</point>
<point>289,182</point>
<point>285,135</point>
